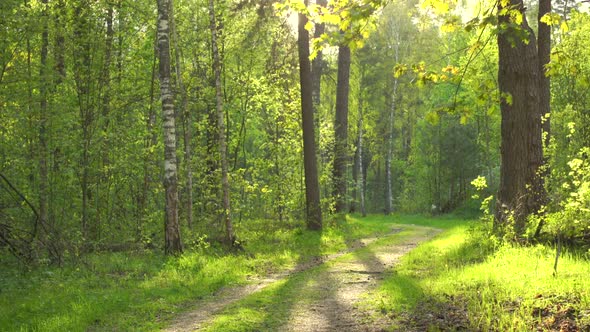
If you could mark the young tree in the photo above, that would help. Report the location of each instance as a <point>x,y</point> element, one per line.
<point>43,120</point>
<point>391,116</point>
<point>312,188</point>
<point>229,231</point>
<point>173,244</point>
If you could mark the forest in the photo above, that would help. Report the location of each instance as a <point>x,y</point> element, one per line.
<point>287,165</point>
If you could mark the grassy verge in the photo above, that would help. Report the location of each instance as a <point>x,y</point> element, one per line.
<point>459,281</point>
<point>143,290</point>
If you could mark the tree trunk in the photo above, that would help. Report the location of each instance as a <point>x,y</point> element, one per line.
<point>312,188</point>
<point>341,129</point>
<point>43,119</point>
<point>106,110</point>
<point>229,232</point>
<point>544,53</point>
<point>521,189</point>
<point>149,141</point>
<point>316,71</point>
<point>173,244</point>
<point>186,126</point>
<point>360,173</point>
<point>389,156</point>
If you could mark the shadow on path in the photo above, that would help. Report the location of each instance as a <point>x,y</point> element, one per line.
<point>317,295</point>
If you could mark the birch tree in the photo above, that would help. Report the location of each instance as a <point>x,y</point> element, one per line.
<point>173,244</point>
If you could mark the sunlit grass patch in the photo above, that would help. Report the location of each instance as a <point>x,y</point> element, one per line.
<point>499,288</point>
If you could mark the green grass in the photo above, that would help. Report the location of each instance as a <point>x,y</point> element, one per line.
<point>144,290</point>
<point>497,287</point>
<point>507,288</point>
<point>271,307</point>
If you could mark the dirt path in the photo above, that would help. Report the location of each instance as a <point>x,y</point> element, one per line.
<point>327,302</point>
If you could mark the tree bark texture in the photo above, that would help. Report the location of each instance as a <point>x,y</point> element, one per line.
<point>173,244</point>
<point>341,129</point>
<point>312,188</point>
<point>229,232</point>
<point>521,189</point>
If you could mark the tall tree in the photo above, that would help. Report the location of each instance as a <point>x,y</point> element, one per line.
<point>312,187</point>
<point>341,128</point>
<point>229,231</point>
<point>391,116</point>
<point>317,66</point>
<point>43,120</point>
<point>521,189</point>
<point>186,123</point>
<point>173,244</point>
<point>360,170</point>
<point>544,54</point>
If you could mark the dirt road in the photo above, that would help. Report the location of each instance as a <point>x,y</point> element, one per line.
<point>327,291</point>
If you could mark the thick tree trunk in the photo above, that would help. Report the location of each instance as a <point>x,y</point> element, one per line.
<point>521,187</point>
<point>312,188</point>
<point>173,244</point>
<point>229,231</point>
<point>341,129</point>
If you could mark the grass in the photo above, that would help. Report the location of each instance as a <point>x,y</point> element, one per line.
<point>502,288</point>
<point>144,290</point>
<point>460,272</point>
<point>271,307</point>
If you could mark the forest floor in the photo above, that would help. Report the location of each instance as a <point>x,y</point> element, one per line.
<point>321,294</point>
<point>393,273</point>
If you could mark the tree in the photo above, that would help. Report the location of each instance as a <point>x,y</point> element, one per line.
<point>544,54</point>
<point>389,156</point>
<point>173,244</point>
<point>521,191</point>
<point>341,129</point>
<point>43,121</point>
<point>360,181</point>
<point>312,188</point>
<point>229,232</point>
<point>317,66</point>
